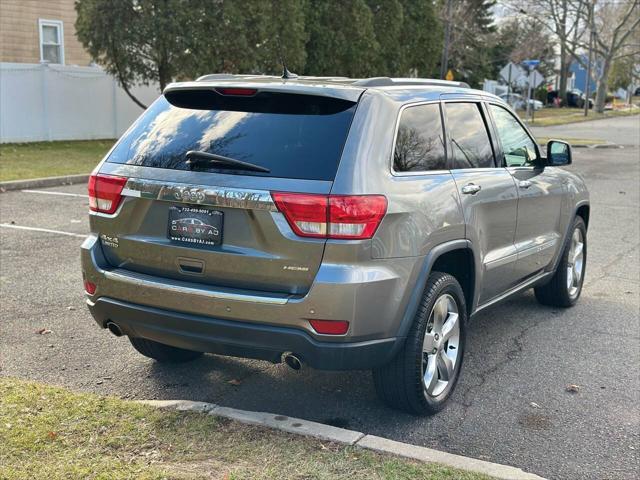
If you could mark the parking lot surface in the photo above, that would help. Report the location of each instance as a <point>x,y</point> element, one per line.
<point>512,404</point>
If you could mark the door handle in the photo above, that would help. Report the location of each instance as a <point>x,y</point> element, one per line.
<point>471,189</point>
<point>524,183</point>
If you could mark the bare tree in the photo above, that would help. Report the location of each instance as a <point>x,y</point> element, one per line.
<point>617,35</point>
<point>568,21</point>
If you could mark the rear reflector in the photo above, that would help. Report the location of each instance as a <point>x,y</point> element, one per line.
<point>243,92</point>
<point>89,287</point>
<point>346,217</point>
<point>330,327</point>
<point>105,192</point>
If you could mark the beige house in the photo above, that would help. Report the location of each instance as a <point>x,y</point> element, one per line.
<point>35,31</point>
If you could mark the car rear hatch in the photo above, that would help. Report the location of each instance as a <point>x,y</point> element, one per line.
<point>205,217</point>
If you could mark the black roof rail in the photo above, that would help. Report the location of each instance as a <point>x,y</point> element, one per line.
<point>394,82</point>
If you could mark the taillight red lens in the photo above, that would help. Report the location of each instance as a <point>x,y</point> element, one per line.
<point>330,327</point>
<point>352,216</point>
<point>306,213</point>
<point>89,287</point>
<point>347,217</point>
<point>105,192</point>
<point>243,92</point>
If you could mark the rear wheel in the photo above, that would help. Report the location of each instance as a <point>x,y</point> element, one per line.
<point>566,284</point>
<point>424,373</point>
<point>161,352</point>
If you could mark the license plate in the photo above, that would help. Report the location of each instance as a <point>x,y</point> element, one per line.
<point>200,226</point>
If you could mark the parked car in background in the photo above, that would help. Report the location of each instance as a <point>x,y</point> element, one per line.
<point>576,98</point>
<point>344,224</point>
<point>517,101</point>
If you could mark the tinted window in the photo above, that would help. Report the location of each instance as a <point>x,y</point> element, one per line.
<point>469,139</point>
<point>420,141</point>
<point>294,139</point>
<point>517,146</point>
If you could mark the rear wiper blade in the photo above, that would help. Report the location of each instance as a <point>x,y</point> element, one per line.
<point>194,156</point>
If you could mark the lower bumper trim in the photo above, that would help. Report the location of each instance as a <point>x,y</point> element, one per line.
<point>240,339</point>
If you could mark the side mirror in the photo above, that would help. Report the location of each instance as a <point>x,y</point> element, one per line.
<point>558,153</point>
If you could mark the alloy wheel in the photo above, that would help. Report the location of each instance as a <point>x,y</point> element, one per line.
<point>575,263</point>
<point>440,348</point>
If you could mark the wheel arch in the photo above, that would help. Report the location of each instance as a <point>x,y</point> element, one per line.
<point>584,211</point>
<point>455,257</point>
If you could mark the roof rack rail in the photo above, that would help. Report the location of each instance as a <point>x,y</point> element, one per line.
<point>391,82</point>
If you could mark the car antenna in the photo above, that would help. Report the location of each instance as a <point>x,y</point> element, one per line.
<point>286,74</point>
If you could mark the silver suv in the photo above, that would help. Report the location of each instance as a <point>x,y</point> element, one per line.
<point>338,223</point>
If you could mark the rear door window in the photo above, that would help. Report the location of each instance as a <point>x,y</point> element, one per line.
<point>470,145</point>
<point>294,136</point>
<point>420,140</point>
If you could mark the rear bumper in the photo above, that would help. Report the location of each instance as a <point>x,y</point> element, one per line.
<point>240,339</point>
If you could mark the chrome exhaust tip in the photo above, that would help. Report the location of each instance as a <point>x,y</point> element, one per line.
<point>291,361</point>
<point>115,329</point>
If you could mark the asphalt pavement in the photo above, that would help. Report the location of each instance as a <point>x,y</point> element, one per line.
<point>624,131</point>
<point>511,406</point>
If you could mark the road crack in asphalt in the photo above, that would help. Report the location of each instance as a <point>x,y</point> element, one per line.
<point>508,357</point>
<point>605,269</point>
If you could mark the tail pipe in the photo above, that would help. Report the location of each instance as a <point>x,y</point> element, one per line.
<point>115,329</point>
<point>291,361</point>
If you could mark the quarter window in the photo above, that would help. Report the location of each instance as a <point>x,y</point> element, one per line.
<point>470,146</point>
<point>420,140</point>
<point>51,41</point>
<point>518,148</point>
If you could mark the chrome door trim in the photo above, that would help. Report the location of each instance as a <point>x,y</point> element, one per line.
<point>517,289</point>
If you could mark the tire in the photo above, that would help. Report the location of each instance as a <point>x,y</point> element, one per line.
<point>414,381</point>
<point>161,352</point>
<point>559,292</point>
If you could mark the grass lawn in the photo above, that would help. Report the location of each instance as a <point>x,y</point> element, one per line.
<point>21,161</point>
<point>574,141</point>
<point>48,432</point>
<point>560,116</point>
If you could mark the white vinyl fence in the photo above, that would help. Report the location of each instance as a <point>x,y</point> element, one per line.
<point>59,102</point>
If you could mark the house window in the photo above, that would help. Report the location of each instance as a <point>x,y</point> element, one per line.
<point>51,41</point>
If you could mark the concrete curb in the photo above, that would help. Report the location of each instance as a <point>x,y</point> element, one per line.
<point>348,437</point>
<point>43,182</point>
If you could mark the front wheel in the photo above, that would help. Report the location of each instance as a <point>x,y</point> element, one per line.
<point>566,284</point>
<point>422,376</point>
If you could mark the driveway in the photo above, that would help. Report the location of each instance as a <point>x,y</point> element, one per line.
<point>620,130</point>
<point>511,406</point>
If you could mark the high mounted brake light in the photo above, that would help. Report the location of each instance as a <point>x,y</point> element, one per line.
<point>241,92</point>
<point>105,192</point>
<point>344,217</point>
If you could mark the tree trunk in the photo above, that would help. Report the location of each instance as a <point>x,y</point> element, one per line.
<point>603,84</point>
<point>564,70</point>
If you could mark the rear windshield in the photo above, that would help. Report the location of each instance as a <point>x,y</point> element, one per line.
<point>294,136</point>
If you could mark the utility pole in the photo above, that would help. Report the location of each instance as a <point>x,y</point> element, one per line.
<point>444,64</point>
<point>587,87</point>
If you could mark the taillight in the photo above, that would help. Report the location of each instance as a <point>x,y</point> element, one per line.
<point>330,327</point>
<point>105,192</point>
<point>346,217</point>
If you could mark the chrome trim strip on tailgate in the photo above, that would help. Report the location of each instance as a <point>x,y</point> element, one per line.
<point>200,194</point>
<point>143,280</point>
